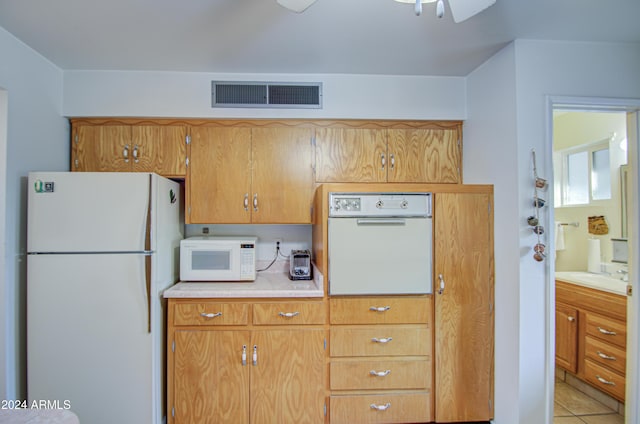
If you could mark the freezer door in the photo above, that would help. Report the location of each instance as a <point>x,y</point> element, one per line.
<point>87,212</point>
<point>88,339</point>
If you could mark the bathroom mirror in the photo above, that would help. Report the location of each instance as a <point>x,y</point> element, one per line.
<point>623,200</point>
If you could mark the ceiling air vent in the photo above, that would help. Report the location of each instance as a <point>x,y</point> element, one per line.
<point>266,94</point>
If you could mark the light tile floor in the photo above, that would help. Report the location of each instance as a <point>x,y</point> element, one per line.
<point>574,407</point>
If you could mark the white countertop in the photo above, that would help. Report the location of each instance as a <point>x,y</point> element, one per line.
<point>594,281</point>
<point>267,284</point>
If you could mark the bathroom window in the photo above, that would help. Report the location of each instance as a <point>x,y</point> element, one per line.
<point>586,175</point>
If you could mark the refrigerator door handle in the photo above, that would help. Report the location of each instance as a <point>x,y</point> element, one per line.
<point>147,258</point>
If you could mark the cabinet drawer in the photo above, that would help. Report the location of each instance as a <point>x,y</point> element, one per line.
<point>379,375</point>
<point>211,313</point>
<point>607,329</point>
<point>381,340</point>
<point>607,380</point>
<point>289,313</point>
<point>381,310</point>
<point>387,408</point>
<point>606,354</point>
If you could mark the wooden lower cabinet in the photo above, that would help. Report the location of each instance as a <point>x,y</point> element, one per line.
<point>226,372</point>
<point>591,336</point>
<point>381,368</point>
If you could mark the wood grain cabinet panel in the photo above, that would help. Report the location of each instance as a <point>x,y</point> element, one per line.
<point>464,320</point>
<point>109,147</point>
<point>427,155</point>
<point>609,330</point>
<point>211,313</point>
<point>250,175</point>
<point>289,313</point>
<point>605,379</point>
<point>409,155</point>
<point>394,373</point>
<point>381,408</point>
<point>380,310</point>
<point>380,341</point>
<point>243,374</point>
<point>567,337</point>
<point>606,354</point>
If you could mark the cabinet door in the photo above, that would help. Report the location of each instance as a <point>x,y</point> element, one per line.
<point>219,176</point>
<point>351,155</point>
<point>102,148</point>
<point>423,156</point>
<point>282,183</point>
<point>287,384</point>
<point>160,149</point>
<point>463,311</point>
<point>567,337</point>
<point>211,384</point>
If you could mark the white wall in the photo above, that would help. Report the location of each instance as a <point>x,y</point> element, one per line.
<point>37,139</point>
<point>3,244</point>
<point>539,69</point>
<point>184,94</point>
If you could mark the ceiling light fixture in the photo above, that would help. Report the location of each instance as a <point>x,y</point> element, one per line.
<point>418,6</point>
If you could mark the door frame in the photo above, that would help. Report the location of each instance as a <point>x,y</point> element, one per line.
<point>632,409</point>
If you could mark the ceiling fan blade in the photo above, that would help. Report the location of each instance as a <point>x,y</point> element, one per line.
<point>297,6</point>
<point>461,10</point>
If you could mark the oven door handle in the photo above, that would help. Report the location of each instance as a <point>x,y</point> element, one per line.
<point>381,221</point>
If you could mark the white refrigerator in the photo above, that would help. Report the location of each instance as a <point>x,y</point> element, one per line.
<point>101,249</point>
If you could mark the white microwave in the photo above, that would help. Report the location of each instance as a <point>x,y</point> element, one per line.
<point>218,258</point>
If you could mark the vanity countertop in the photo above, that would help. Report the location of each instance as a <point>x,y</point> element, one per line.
<point>267,284</point>
<point>594,281</point>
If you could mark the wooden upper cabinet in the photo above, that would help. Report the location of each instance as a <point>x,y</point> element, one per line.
<point>101,148</point>
<point>351,155</point>
<point>463,229</point>
<point>129,148</point>
<point>410,155</point>
<point>423,156</point>
<point>250,175</point>
<point>282,178</point>
<point>160,149</point>
<point>219,178</point>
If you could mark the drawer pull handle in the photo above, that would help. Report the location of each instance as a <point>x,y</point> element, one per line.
<point>379,308</point>
<point>288,314</point>
<point>382,340</point>
<point>254,358</point>
<point>603,381</point>
<point>605,356</point>
<point>379,373</point>
<point>210,315</point>
<point>244,355</point>
<point>607,332</point>
<point>380,407</point>
<point>246,202</point>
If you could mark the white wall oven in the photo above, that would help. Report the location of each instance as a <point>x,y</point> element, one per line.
<point>380,243</point>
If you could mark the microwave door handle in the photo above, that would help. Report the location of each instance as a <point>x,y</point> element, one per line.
<point>381,221</point>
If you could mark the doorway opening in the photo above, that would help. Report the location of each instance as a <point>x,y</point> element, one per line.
<point>593,155</point>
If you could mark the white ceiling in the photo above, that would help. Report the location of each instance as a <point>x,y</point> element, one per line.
<point>332,36</point>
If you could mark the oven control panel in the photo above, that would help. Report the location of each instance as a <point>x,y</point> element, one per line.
<point>379,204</point>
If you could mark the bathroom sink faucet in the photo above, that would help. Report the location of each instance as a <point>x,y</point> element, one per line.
<point>625,274</point>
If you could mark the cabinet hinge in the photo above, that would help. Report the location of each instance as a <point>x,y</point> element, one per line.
<point>325,343</point>
<point>629,290</point>
<point>173,346</point>
<point>173,411</point>
<point>187,139</point>
<point>325,409</point>
<point>76,138</point>
<point>186,161</point>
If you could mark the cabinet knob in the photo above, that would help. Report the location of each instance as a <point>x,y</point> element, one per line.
<point>571,319</point>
